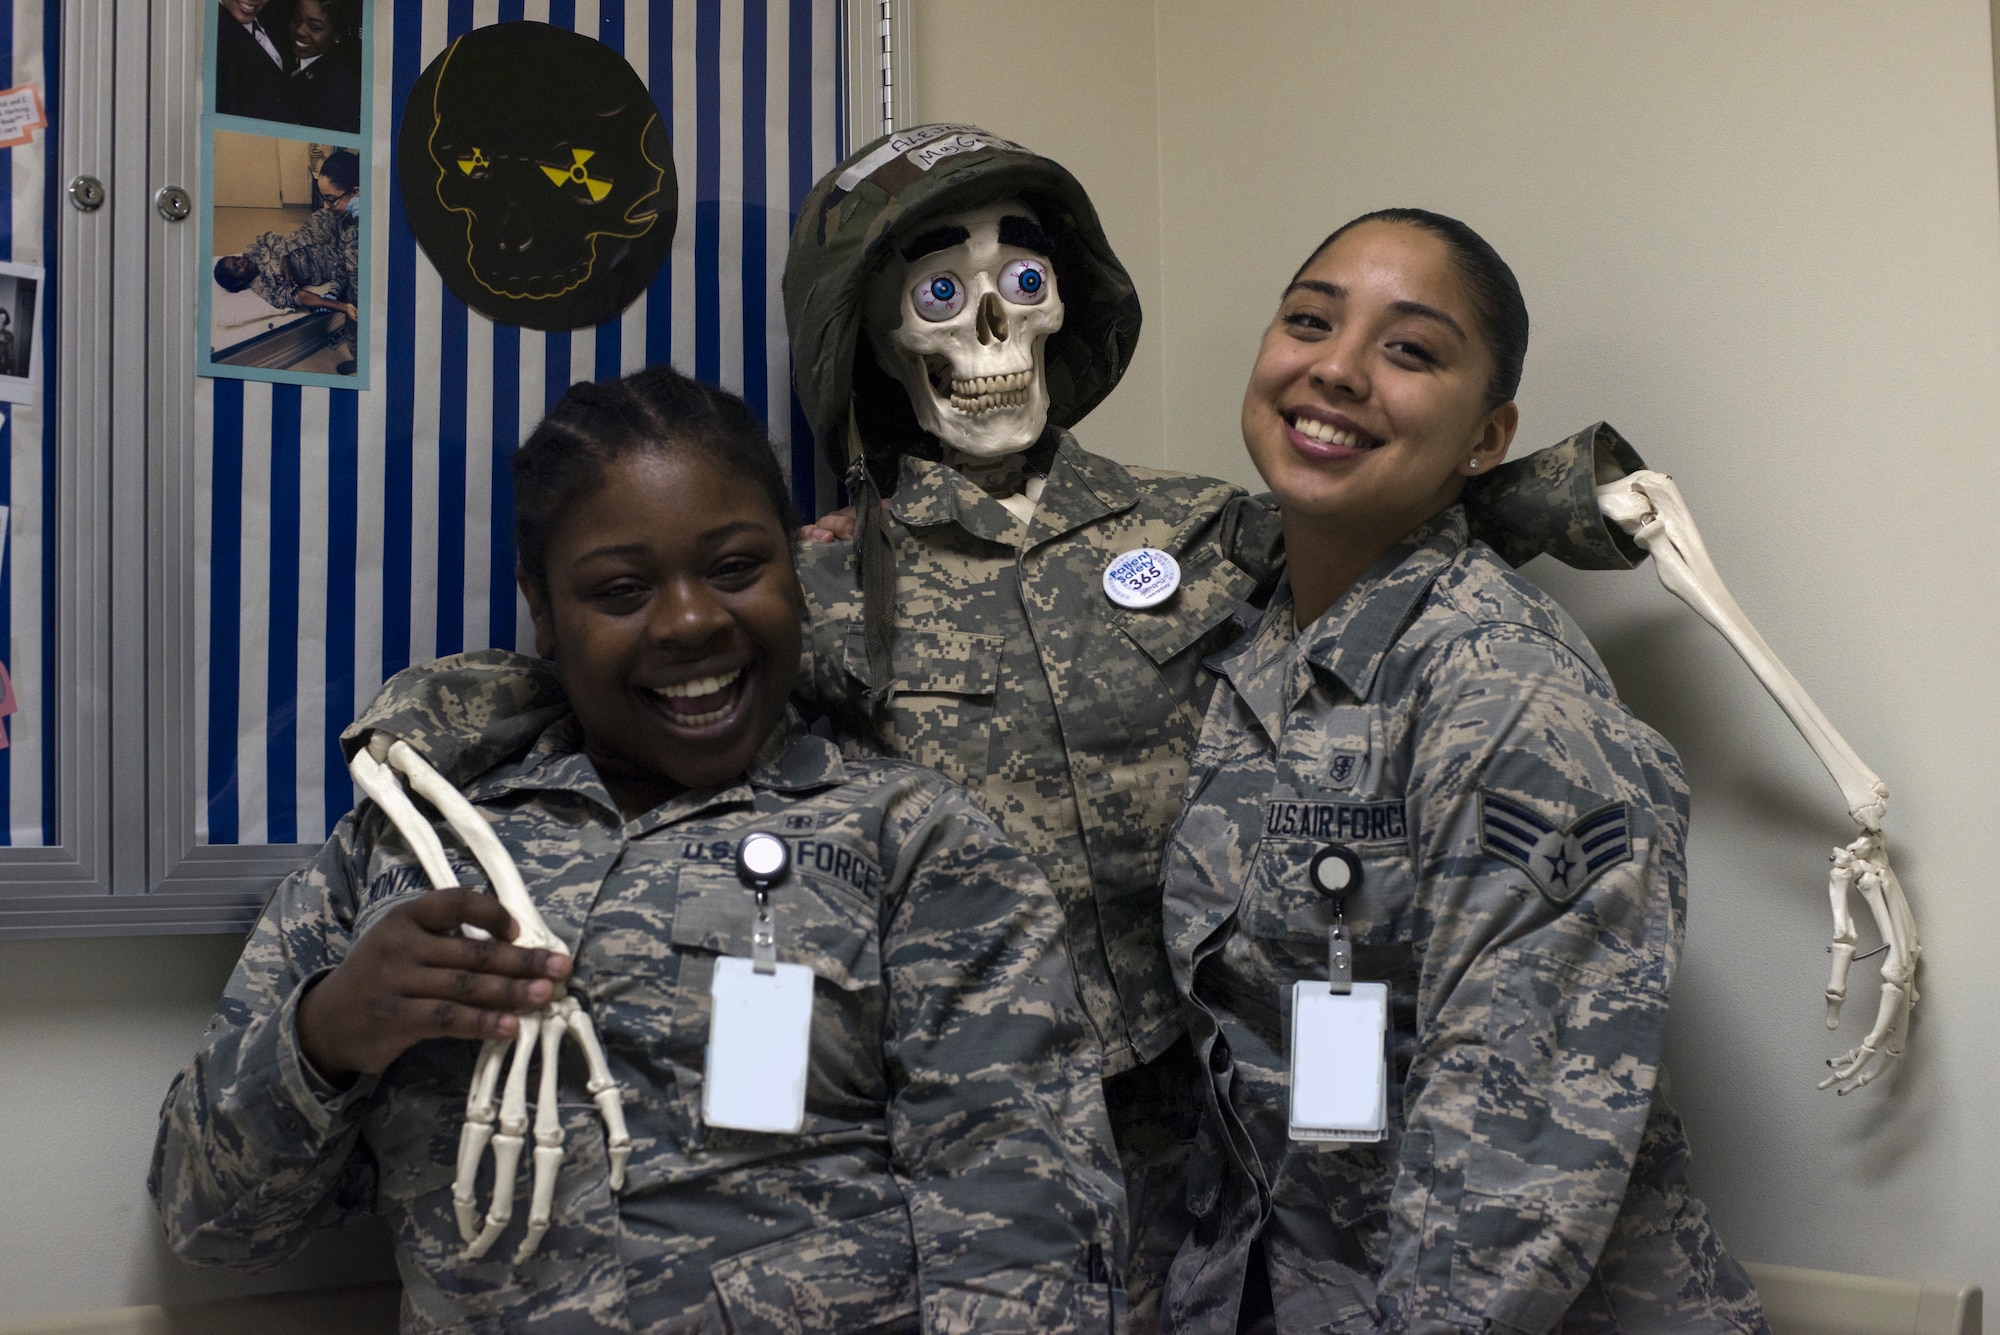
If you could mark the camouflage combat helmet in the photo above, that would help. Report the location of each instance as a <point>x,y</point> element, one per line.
<point>849,230</point>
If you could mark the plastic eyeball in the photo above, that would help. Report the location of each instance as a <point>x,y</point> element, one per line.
<point>938,297</point>
<point>1025,282</point>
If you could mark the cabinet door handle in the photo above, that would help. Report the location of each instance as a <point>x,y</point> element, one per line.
<point>173,203</point>
<point>87,193</point>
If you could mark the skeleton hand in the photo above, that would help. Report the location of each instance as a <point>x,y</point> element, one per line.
<point>1865,863</point>
<point>412,977</point>
<point>1649,506</point>
<point>374,769</point>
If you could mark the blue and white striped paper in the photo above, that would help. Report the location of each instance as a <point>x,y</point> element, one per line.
<point>343,535</point>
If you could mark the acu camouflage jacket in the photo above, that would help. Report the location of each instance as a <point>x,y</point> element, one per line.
<point>1521,839</point>
<point>955,1173</point>
<point>1069,719</point>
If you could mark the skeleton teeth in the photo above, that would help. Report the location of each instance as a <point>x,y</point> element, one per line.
<point>700,686</point>
<point>975,404</point>
<point>975,386</point>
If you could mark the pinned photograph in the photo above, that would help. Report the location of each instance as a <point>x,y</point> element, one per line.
<point>299,62</point>
<point>284,237</point>
<point>20,340</point>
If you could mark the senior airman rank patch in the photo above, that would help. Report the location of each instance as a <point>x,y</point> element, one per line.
<point>1562,860</point>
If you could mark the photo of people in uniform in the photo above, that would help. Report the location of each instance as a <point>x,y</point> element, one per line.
<point>20,293</point>
<point>285,229</point>
<point>294,61</point>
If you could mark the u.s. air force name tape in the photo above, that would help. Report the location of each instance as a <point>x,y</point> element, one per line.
<point>1562,860</point>
<point>1142,577</point>
<point>1348,822</point>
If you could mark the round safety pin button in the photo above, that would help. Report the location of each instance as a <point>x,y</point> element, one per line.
<point>1142,577</point>
<point>1335,870</point>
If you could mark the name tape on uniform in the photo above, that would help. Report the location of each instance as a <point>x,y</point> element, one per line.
<point>1349,822</point>
<point>925,147</point>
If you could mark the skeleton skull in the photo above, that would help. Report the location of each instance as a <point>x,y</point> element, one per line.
<point>537,175</point>
<point>962,323</point>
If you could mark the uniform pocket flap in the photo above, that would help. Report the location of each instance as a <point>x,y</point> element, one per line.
<point>1206,598</point>
<point>935,662</point>
<point>818,923</point>
<point>853,1275</point>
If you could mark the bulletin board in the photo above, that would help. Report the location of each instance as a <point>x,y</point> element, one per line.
<point>343,534</point>
<point>30,56</point>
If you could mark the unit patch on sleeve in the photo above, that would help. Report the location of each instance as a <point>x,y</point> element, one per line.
<point>1562,860</point>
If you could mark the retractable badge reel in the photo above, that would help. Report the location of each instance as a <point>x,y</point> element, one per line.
<point>760,1013</point>
<point>1340,1069</point>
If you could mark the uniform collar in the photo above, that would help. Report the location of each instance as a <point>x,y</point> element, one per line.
<point>1275,666</point>
<point>1352,637</point>
<point>792,761</point>
<point>1081,489</point>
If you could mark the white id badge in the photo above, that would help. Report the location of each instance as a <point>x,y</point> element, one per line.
<point>759,1044</point>
<point>1340,1068</point>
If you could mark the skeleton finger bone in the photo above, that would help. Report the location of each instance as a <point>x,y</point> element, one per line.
<point>1650,507</point>
<point>503,1128</point>
<point>507,1142</point>
<point>1839,885</point>
<point>480,1113</point>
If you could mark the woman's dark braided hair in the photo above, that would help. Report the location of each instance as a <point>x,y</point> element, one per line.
<point>1491,285</point>
<point>654,411</point>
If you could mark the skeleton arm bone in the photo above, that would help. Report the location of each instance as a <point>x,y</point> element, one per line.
<point>1650,507</point>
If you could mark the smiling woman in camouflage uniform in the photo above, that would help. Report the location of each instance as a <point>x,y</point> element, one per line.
<point>955,1170</point>
<point>1408,702</point>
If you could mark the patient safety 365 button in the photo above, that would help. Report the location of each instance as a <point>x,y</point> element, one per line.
<point>1143,577</point>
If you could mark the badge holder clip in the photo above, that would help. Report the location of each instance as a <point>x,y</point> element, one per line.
<point>760,1014</point>
<point>1339,1068</point>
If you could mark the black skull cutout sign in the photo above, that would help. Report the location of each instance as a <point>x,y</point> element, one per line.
<point>537,176</point>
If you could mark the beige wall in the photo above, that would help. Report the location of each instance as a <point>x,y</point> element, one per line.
<point>90,1034</point>
<point>1073,79</point>
<point>1762,240</point>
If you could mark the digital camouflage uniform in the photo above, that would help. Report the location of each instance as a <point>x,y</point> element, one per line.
<point>955,1173</point>
<point>1523,896</point>
<point>326,248</point>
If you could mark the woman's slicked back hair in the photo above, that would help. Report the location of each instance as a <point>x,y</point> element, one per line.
<point>1495,293</point>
